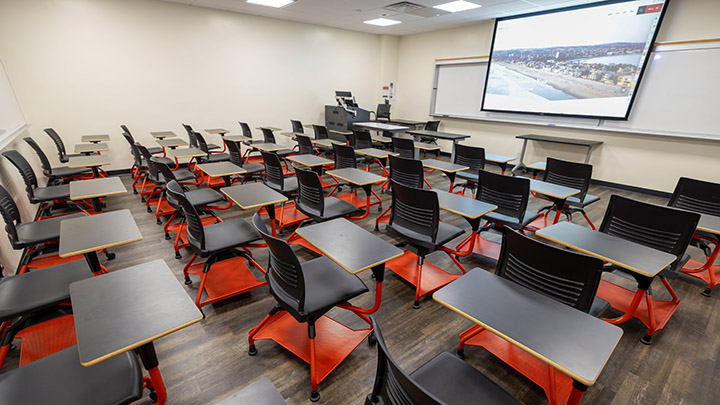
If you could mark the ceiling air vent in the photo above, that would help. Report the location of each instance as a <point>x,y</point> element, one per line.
<point>404,7</point>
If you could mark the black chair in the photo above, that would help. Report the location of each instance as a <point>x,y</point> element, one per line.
<point>383,112</point>
<point>415,217</point>
<point>703,197</point>
<point>155,179</point>
<point>305,291</point>
<point>269,137</point>
<point>131,140</point>
<point>565,276</point>
<point>363,140</point>
<point>247,132</point>
<point>305,146</point>
<point>118,380</point>
<point>344,157</point>
<point>63,156</point>
<point>663,228</point>
<point>57,174</point>
<point>139,168</point>
<point>444,380</point>
<point>45,196</point>
<point>312,202</point>
<point>321,132</point>
<point>408,172</point>
<point>222,242</point>
<point>297,126</point>
<point>404,147</point>
<point>193,141</point>
<point>252,170</point>
<point>573,175</point>
<point>472,157</point>
<point>288,186</point>
<point>430,126</point>
<point>510,195</point>
<point>211,157</point>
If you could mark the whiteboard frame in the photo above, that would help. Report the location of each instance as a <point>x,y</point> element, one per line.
<point>593,124</point>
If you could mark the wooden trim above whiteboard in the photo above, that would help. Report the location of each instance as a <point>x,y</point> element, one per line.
<point>463,58</point>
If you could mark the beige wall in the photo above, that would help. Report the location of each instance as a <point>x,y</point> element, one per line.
<point>87,66</point>
<point>640,160</point>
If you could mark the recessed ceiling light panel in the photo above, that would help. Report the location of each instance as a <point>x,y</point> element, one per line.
<point>383,22</point>
<point>456,6</point>
<point>271,3</point>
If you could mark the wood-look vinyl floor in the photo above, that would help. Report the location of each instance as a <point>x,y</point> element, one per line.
<point>206,362</point>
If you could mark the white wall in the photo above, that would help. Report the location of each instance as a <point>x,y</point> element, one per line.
<point>87,66</point>
<point>638,160</point>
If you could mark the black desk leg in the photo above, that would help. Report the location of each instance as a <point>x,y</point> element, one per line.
<point>93,262</point>
<point>227,181</point>
<point>577,393</point>
<point>150,362</point>
<point>451,177</point>
<point>97,206</point>
<point>95,172</point>
<point>270,209</point>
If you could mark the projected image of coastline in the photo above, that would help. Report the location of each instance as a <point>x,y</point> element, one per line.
<point>565,73</point>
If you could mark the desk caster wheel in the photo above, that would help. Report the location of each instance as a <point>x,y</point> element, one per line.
<point>252,350</point>
<point>377,228</point>
<point>647,340</point>
<point>314,396</point>
<point>135,191</point>
<point>178,255</point>
<point>158,221</point>
<point>461,353</point>
<point>187,280</point>
<point>372,339</point>
<point>110,255</point>
<point>149,209</point>
<point>707,292</point>
<point>416,304</point>
<point>153,396</point>
<point>167,236</point>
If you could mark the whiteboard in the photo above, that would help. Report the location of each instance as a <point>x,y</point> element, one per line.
<point>678,95</point>
<point>11,116</point>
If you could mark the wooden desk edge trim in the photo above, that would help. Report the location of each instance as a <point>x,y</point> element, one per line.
<point>82,252</point>
<point>615,262</point>
<point>353,182</point>
<point>464,215</point>
<point>243,171</point>
<point>556,196</point>
<point>87,197</point>
<point>249,207</point>
<point>544,359</point>
<point>138,344</point>
<point>345,268</point>
<point>446,170</point>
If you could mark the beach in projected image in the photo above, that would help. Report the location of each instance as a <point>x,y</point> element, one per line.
<point>590,55</point>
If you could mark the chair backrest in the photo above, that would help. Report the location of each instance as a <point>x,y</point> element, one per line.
<point>415,209</point>
<point>129,138</point>
<point>297,126</point>
<point>311,198</point>
<point>245,129</point>
<point>510,194</point>
<point>268,136</point>
<point>404,146</point>
<point>470,156</point>
<point>321,132</point>
<point>383,111</point>
<point>11,216</point>
<point>58,143</point>
<point>569,174</point>
<point>696,195</point>
<point>392,385</point>
<point>125,129</point>
<point>195,231</point>
<point>563,275</point>
<point>408,172</point>
<point>191,136</point>
<point>432,125</point>
<point>663,228</point>
<point>25,170</point>
<point>363,139</point>
<point>284,274</point>
<point>137,155</point>
<point>305,146</point>
<point>169,176</point>
<point>273,169</point>
<point>201,143</point>
<point>344,156</point>
<point>234,152</point>
<point>153,173</point>
<point>44,162</point>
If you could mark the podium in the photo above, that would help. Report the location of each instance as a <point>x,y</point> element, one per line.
<point>341,119</point>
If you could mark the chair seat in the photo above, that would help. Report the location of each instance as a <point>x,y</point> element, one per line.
<point>155,150</point>
<point>326,285</point>
<point>46,230</point>
<point>446,232</point>
<point>203,196</point>
<point>283,153</point>
<point>467,175</point>
<point>212,146</point>
<point>52,193</point>
<point>67,172</point>
<point>290,183</point>
<point>514,223</point>
<point>334,208</point>
<point>575,202</point>
<point>228,234</point>
<point>216,157</point>
<point>453,381</point>
<point>39,289</point>
<point>180,175</point>
<point>60,379</point>
<point>166,160</point>
<point>252,168</point>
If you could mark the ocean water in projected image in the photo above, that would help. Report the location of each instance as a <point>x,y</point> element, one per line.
<point>506,82</point>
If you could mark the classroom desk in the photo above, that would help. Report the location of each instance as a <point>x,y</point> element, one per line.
<point>315,163</point>
<point>268,147</point>
<point>381,139</point>
<point>95,138</point>
<point>499,160</point>
<point>221,169</point>
<point>590,145</point>
<point>376,153</point>
<point>360,178</point>
<point>129,309</point>
<point>270,128</point>
<point>171,143</point>
<point>450,169</point>
<point>86,235</point>
<point>293,135</point>
<point>255,195</point>
<point>708,271</point>
<point>91,161</point>
<point>328,143</point>
<point>93,189</point>
<point>332,239</point>
<point>163,134</point>
<point>470,209</point>
<point>90,148</point>
<point>555,193</point>
<point>569,340</point>
<point>217,131</point>
<point>646,262</point>
<point>378,126</point>
<point>403,121</point>
<point>187,153</point>
<point>237,138</point>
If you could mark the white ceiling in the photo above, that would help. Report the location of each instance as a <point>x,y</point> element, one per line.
<point>350,14</point>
